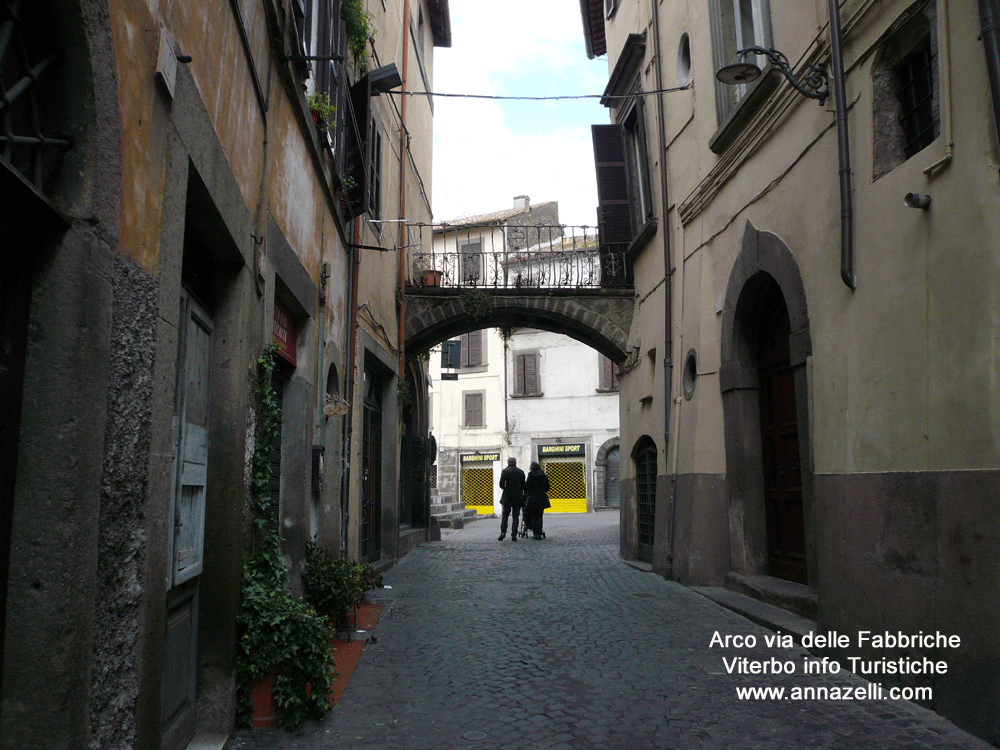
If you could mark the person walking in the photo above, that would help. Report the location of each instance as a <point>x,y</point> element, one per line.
<point>512,484</point>
<point>536,498</point>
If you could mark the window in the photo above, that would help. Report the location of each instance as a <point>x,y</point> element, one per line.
<point>905,90</point>
<point>736,25</point>
<point>526,380</point>
<point>609,374</point>
<point>473,349</point>
<point>471,254</point>
<point>625,213</point>
<point>473,409</point>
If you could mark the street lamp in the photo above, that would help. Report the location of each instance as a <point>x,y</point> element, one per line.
<point>815,83</point>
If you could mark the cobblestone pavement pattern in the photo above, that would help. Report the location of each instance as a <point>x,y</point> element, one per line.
<point>559,644</point>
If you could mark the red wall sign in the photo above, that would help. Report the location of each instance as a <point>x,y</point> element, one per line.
<point>284,332</point>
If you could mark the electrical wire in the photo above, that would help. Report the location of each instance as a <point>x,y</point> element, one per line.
<point>539,98</point>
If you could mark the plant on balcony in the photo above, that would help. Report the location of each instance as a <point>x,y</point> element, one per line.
<point>322,111</point>
<point>278,630</point>
<point>334,586</point>
<point>358,22</point>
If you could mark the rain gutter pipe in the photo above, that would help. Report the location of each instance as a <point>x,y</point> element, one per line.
<point>989,18</point>
<point>668,363</point>
<point>843,149</point>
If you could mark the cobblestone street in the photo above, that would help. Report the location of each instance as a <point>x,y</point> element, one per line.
<point>560,644</point>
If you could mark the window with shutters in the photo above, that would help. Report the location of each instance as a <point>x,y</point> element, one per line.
<point>473,409</point>
<point>625,211</point>
<point>609,374</point>
<point>472,348</point>
<point>526,377</point>
<point>322,33</point>
<point>471,254</point>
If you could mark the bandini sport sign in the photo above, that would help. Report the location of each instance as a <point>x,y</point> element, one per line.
<point>567,449</point>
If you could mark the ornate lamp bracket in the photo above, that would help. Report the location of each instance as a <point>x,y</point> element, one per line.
<point>815,83</point>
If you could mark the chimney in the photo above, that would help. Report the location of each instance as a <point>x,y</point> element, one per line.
<point>521,203</point>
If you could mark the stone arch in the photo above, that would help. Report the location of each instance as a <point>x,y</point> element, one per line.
<point>600,320</point>
<point>600,470</point>
<point>764,260</point>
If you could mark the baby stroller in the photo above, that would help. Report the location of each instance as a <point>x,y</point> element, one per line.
<point>525,527</point>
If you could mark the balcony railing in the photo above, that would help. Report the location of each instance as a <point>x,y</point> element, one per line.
<point>487,256</point>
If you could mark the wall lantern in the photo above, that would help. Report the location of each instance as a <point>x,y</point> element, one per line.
<point>815,84</point>
<point>384,79</point>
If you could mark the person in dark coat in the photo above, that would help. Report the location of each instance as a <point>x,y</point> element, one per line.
<point>536,498</point>
<point>512,484</point>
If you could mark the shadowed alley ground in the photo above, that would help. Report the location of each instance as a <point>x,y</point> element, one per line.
<point>560,644</point>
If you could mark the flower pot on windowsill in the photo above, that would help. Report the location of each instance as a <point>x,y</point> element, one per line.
<point>432,278</point>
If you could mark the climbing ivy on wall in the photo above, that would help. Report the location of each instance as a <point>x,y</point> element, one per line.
<point>278,630</point>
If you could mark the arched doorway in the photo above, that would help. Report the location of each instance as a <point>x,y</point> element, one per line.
<point>765,345</point>
<point>779,437</point>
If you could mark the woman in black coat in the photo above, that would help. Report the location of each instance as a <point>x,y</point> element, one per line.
<point>536,498</point>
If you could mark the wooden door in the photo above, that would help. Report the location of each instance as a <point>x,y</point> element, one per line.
<point>780,447</point>
<point>188,527</point>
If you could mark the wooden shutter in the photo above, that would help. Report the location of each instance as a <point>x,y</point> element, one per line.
<point>609,374</point>
<point>614,217</point>
<point>473,409</point>
<point>476,349</point>
<point>526,374</point>
<point>191,451</point>
<point>356,150</point>
<point>463,359</point>
<point>375,172</point>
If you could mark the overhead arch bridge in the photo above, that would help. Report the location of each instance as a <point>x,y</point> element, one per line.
<point>554,278</point>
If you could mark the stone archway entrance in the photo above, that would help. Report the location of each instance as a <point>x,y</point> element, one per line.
<point>765,345</point>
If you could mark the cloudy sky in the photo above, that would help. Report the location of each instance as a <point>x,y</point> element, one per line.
<point>488,151</point>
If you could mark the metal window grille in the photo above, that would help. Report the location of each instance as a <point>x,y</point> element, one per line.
<point>477,489</point>
<point>645,489</point>
<point>915,91</point>
<point>567,487</point>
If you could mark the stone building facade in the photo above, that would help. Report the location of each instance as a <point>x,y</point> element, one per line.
<point>811,392</point>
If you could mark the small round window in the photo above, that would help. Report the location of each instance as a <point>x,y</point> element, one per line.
<point>690,374</point>
<point>684,60</point>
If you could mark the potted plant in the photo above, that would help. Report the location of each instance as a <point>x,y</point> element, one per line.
<point>335,586</point>
<point>322,112</point>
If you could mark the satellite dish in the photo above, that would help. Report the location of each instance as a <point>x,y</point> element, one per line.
<point>738,73</point>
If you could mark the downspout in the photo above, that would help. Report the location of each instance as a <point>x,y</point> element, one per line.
<point>345,478</point>
<point>989,18</point>
<point>843,150</point>
<point>668,363</point>
<point>403,136</point>
<point>401,281</point>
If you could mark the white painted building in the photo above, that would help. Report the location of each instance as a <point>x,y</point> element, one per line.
<point>542,397</point>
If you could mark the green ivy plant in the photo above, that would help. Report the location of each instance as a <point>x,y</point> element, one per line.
<point>278,630</point>
<point>477,303</point>
<point>334,586</point>
<point>358,22</point>
<point>506,332</point>
<point>404,396</point>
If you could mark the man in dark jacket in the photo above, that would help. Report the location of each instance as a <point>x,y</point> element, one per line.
<point>512,484</point>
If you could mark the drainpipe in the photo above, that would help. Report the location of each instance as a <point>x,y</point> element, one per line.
<point>843,150</point>
<point>989,18</point>
<point>352,339</point>
<point>403,136</point>
<point>668,364</point>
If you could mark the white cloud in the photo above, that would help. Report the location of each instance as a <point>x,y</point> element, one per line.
<point>486,152</point>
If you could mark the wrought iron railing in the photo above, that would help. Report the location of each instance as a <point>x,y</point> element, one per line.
<point>491,256</point>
